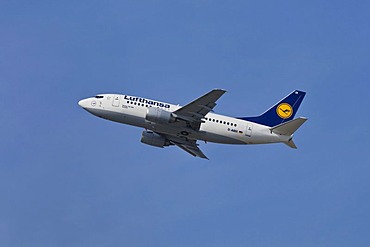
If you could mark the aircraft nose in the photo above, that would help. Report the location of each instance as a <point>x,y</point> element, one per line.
<point>83,103</point>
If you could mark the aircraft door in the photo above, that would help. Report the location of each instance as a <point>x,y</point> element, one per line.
<point>248,131</point>
<point>116,100</point>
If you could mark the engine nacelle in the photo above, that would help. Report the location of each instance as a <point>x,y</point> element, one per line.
<point>159,116</point>
<point>154,139</point>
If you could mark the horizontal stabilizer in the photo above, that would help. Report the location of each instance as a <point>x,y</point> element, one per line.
<point>288,128</point>
<point>291,144</point>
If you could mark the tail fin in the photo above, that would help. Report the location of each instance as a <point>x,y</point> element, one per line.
<point>280,113</point>
<point>288,129</point>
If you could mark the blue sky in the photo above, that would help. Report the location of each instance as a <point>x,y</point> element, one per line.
<point>70,179</point>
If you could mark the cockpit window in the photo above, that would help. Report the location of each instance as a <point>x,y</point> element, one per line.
<point>99,97</point>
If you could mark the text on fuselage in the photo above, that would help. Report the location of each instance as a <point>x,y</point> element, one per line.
<point>148,102</point>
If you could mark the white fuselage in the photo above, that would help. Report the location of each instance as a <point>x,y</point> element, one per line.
<point>214,128</point>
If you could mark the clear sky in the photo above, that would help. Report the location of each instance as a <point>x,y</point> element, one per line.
<point>68,178</point>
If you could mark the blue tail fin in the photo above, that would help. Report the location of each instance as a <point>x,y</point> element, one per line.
<point>282,112</point>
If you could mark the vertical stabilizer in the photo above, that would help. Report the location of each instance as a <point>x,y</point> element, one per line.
<point>281,112</point>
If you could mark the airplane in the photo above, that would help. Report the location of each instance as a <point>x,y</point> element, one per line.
<point>167,124</point>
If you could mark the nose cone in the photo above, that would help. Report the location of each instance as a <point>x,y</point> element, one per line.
<point>83,103</point>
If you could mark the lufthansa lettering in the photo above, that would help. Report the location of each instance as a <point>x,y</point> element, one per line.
<point>147,102</point>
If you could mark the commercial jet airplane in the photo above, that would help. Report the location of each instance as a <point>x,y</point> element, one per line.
<point>167,124</point>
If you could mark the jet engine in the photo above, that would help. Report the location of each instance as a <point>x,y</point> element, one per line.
<point>159,116</point>
<point>153,139</point>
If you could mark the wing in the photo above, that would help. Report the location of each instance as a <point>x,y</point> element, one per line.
<point>193,112</point>
<point>189,146</point>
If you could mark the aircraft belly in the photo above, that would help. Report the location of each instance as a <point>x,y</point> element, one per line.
<point>223,139</point>
<point>222,134</point>
<point>194,135</point>
<point>119,117</point>
<point>174,129</point>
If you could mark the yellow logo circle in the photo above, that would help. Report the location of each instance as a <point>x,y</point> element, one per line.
<point>284,110</point>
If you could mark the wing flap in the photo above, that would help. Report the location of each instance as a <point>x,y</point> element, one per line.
<point>193,150</point>
<point>197,109</point>
<point>189,146</point>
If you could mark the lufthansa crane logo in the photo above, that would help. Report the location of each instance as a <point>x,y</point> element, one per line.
<point>284,110</point>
